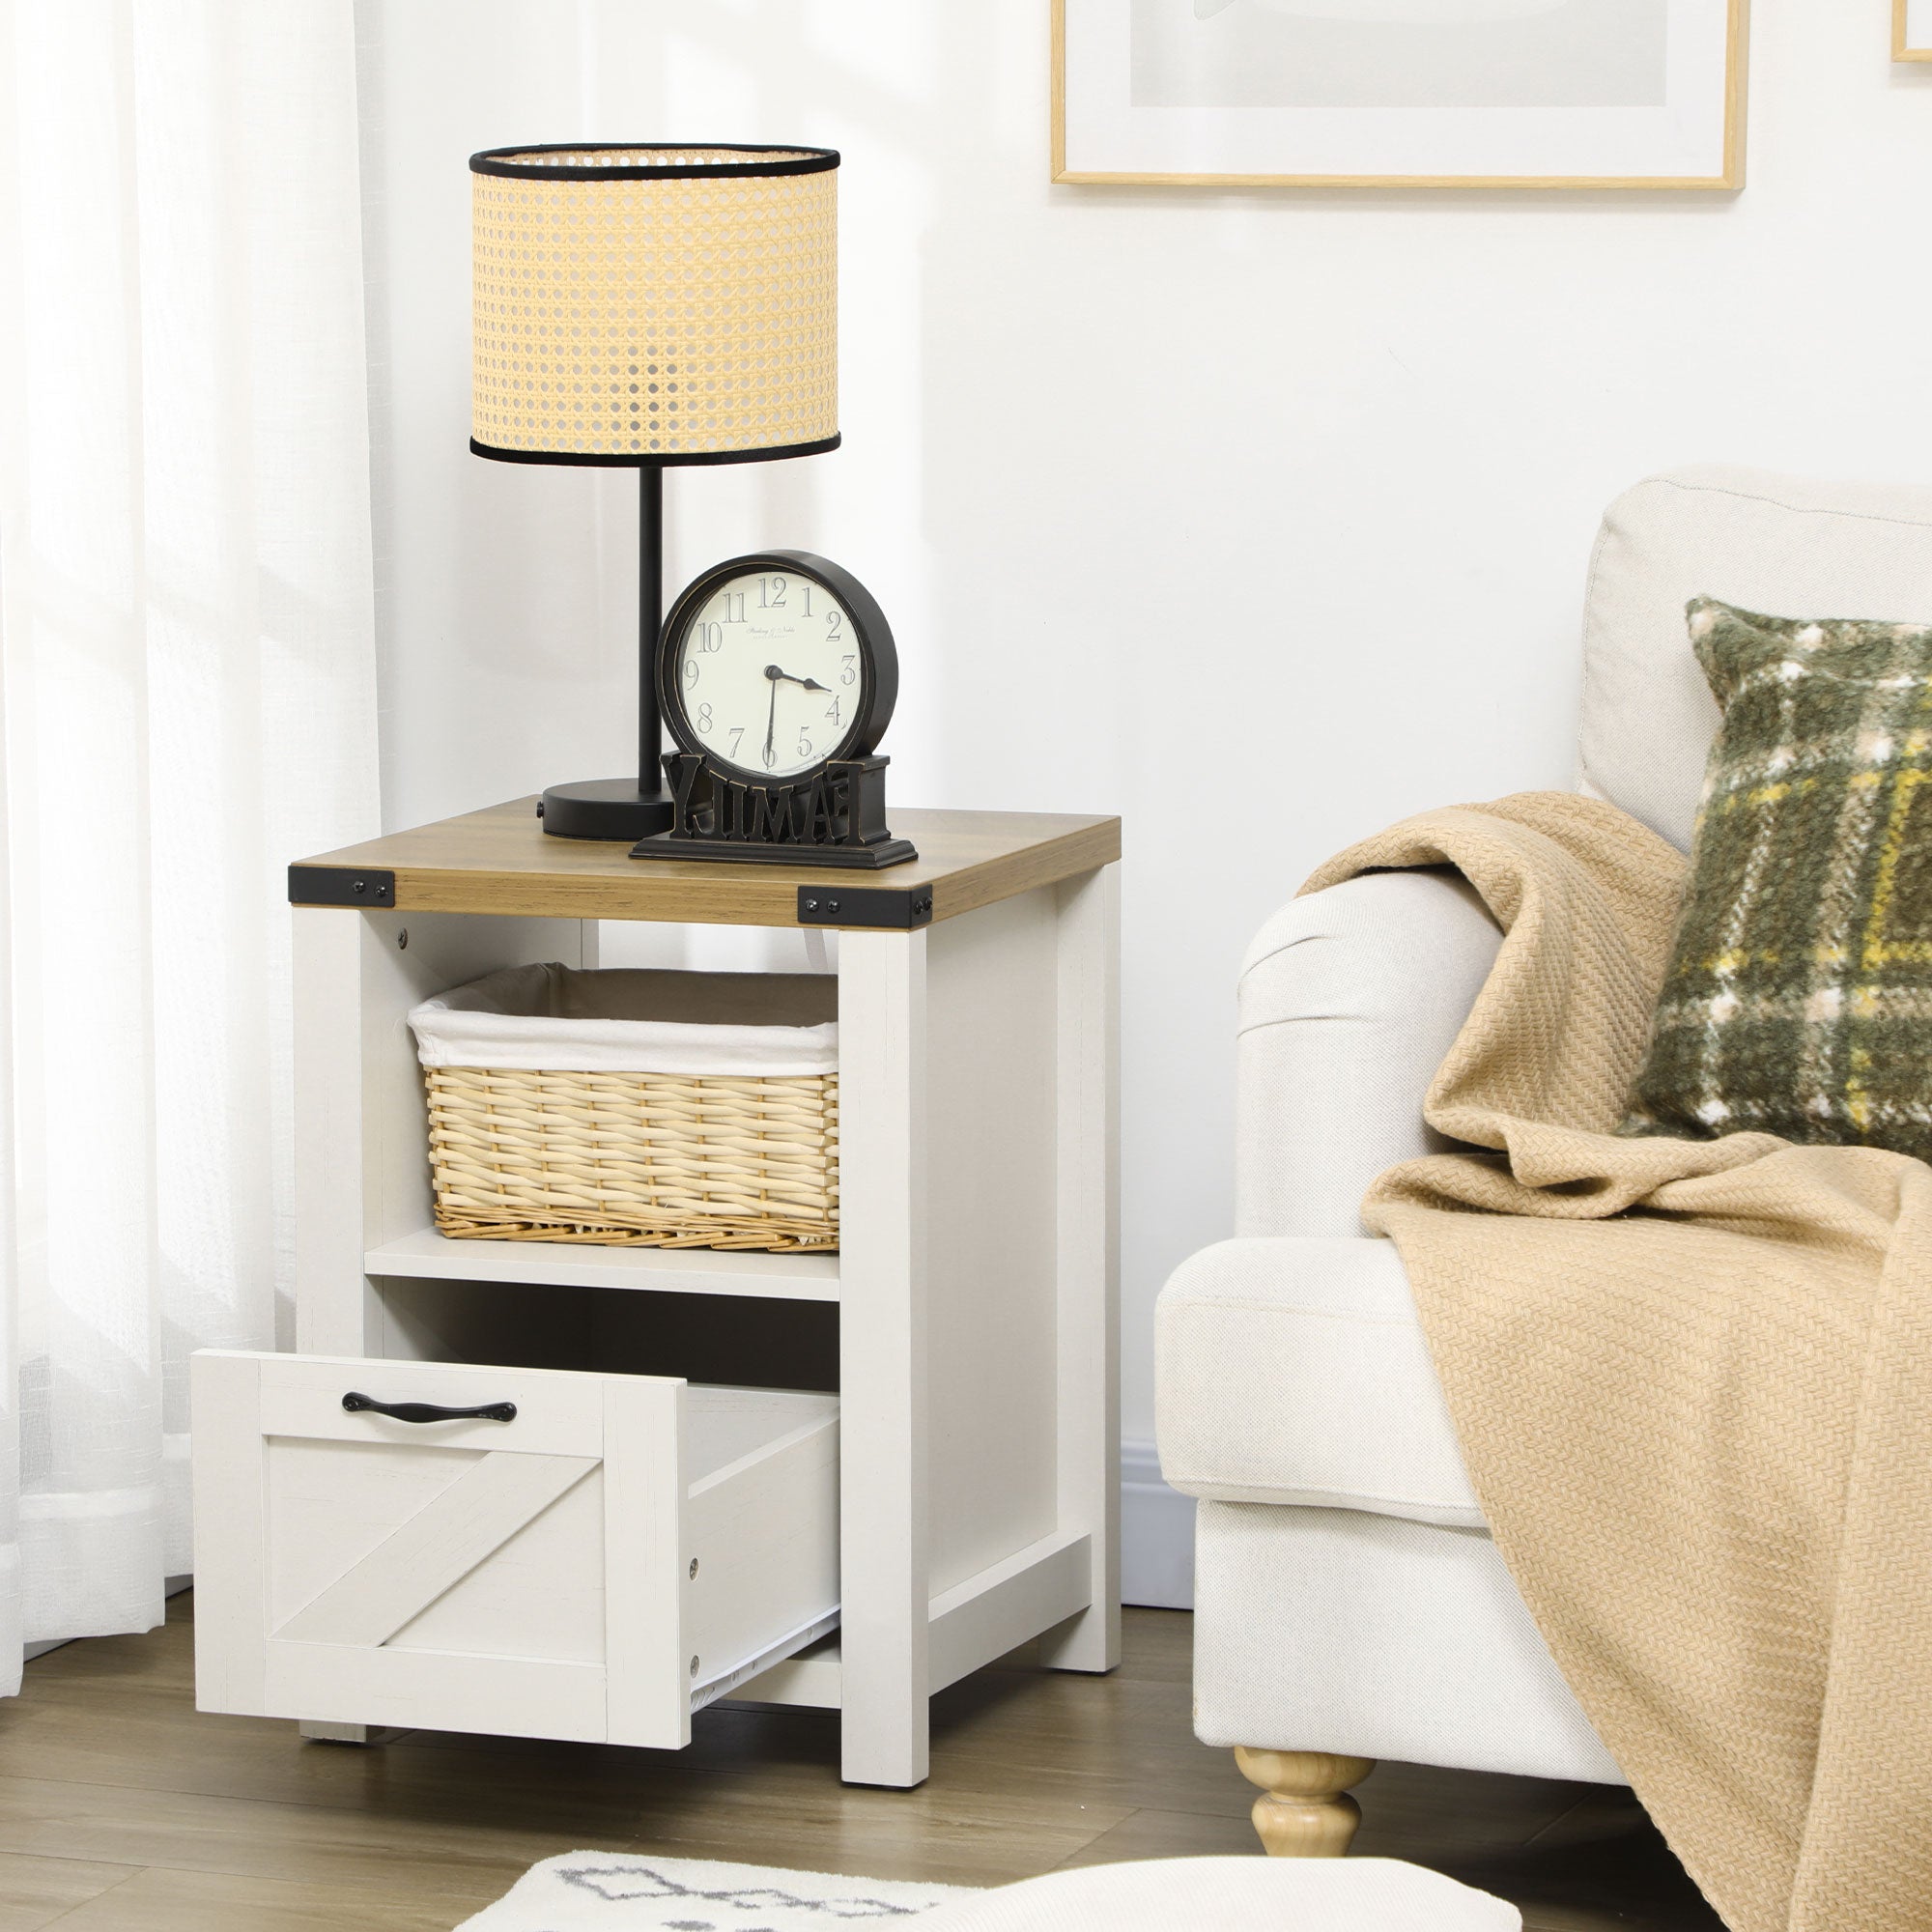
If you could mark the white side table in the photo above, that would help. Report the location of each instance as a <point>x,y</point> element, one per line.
<point>974,1295</point>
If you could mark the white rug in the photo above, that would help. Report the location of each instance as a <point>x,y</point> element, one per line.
<point>634,1891</point>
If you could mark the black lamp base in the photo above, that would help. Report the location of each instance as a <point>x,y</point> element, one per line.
<point>611,808</point>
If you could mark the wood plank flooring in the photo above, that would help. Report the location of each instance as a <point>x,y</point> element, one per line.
<point>123,1811</point>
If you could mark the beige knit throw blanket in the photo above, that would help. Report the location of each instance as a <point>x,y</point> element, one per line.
<point>1692,1383</point>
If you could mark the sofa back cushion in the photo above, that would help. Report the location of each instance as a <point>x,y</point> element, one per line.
<point>1799,997</point>
<point>1777,544</point>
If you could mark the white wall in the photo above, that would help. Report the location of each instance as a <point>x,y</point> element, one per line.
<point>1260,519</point>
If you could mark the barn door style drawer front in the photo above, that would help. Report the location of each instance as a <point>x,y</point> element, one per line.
<point>520,1551</point>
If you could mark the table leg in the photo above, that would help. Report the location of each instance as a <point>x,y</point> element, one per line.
<point>1088,1135</point>
<point>884,1671</point>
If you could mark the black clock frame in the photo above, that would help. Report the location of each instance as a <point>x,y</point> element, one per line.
<point>878,658</point>
<point>832,812</point>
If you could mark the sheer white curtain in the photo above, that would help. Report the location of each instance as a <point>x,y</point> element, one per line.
<point>186,671</point>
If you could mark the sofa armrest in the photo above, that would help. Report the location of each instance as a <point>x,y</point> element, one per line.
<point>1295,1371</point>
<point>1349,997</point>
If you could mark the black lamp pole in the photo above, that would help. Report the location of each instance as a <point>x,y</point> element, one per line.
<point>629,809</point>
<point>650,615</point>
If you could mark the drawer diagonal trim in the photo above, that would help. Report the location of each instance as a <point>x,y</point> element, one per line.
<point>434,1548</point>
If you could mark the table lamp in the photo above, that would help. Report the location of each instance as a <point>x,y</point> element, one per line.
<point>639,305</point>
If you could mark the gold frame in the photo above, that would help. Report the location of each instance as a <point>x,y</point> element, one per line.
<point>1732,178</point>
<point>1899,51</point>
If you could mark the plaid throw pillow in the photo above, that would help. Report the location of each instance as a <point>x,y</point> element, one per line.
<point>1799,998</point>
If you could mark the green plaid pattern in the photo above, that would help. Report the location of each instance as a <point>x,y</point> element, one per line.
<point>1799,998</point>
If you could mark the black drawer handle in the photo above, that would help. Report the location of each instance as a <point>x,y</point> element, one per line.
<point>429,1412</point>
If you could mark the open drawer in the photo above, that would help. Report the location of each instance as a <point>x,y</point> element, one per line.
<point>594,1558</point>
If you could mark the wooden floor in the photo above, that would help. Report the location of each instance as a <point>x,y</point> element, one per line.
<point>121,1811</point>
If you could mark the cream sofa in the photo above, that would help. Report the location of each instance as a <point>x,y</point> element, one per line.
<point>1349,1604</point>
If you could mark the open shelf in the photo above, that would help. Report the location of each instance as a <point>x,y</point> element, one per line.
<point>426,1255</point>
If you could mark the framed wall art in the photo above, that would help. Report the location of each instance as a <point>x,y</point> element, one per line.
<point>1912,30</point>
<point>1402,93</point>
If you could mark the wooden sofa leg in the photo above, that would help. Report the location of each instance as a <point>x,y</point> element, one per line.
<point>1304,1810</point>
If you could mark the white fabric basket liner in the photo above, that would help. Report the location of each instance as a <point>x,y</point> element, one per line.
<point>747,1026</point>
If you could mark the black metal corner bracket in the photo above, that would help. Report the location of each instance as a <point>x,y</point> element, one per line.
<point>889,911</point>
<point>341,885</point>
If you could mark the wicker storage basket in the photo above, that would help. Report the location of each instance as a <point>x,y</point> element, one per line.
<point>634,1109</point>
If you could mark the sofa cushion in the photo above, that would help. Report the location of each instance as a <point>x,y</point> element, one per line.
<point>1294,1369</point>
<point>1765,542</point>
<point>1797,1000</point>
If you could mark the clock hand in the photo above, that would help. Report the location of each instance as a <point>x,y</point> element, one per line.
<point>773,672</point>
<point>791,677</point>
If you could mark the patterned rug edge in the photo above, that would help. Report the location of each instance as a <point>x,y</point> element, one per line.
<point>639,1891</point>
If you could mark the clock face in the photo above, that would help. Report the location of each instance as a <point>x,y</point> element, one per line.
<point>771,675</point>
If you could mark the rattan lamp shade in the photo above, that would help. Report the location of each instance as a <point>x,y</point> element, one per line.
<point>650,305</point>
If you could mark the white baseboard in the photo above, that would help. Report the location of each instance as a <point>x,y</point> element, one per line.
<point>1156,1534</point>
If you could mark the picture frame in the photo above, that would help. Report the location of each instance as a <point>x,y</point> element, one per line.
<point>1910,30</point>
<point>1402,94</point>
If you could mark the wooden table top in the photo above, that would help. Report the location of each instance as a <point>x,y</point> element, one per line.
<point>501,861</point>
